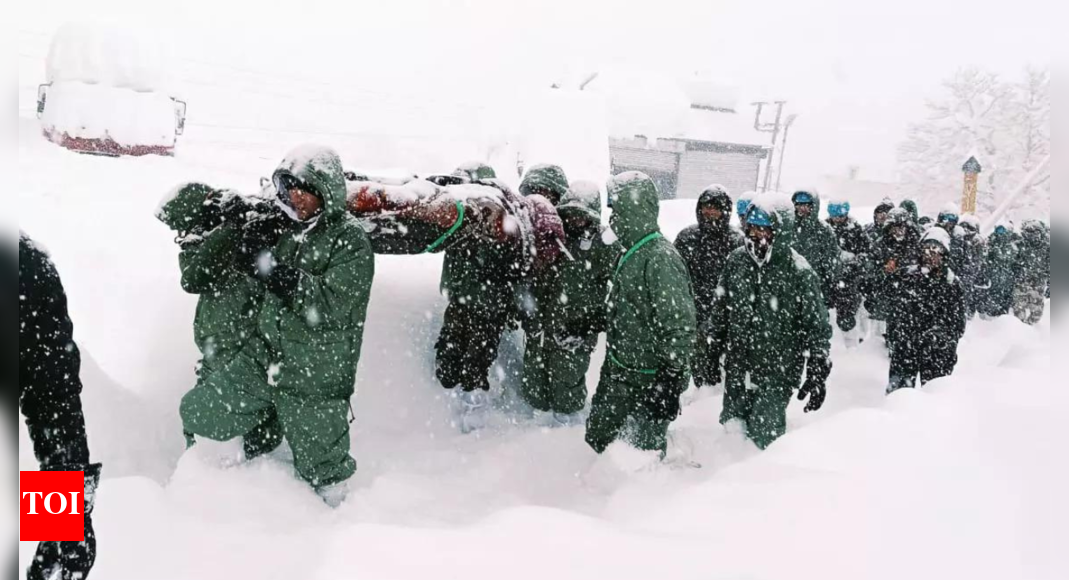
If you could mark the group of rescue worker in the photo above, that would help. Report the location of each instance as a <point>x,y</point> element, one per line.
<point>284,282</point>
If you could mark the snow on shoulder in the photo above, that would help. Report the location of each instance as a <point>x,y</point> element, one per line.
<point>626,178</point>
<point>800,263</point>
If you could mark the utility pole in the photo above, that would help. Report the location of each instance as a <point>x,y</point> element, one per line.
<point>783,148</point>
<point>769,128</point>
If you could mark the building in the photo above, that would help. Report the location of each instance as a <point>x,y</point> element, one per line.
<point>685,134</point>
<point>683,168</point>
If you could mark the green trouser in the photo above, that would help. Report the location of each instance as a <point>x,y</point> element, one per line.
<point>617,412</point>
<point>762,408</point>
<point>554,372</point>
<point>238,400</point>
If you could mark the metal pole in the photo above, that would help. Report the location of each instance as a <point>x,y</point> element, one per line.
<point>772,152</point>
<point>783,149</point>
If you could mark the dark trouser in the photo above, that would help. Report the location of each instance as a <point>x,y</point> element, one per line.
<point>1029,303</point>
<point>554,372</point>
<point>467,345</point>
<point>762,407</point>
<point>846,299</point>
<point>705,364</point>
<point>912,356</point>
<point>309,409</point>
<point>617,412</point>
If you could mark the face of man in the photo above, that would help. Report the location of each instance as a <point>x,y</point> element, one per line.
<point>898,232</point>
<point>881,218</point>
<point>759,241</point>
<point>305,203</point>
<point>839,220</point>
<point>803,210</point>
<point>576,225</point>
<point>947,225</point>
<point>711,214</point>
<point>932,256</point>
<point>545,192</point>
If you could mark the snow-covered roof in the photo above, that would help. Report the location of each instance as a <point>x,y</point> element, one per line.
<point>658,105</point>
<point>706,92</point>
<point>105,54</point>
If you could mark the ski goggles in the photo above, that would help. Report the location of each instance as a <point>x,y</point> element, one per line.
<point>839,209</point>
<point>1000,230</point>
<point>802,197</point>
<point>758,217</point>
<point>742,206</point>
<point>948,217</point>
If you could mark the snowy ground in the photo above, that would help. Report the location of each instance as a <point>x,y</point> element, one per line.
<point>960,480</point>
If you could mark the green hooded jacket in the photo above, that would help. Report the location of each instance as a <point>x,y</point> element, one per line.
<point>546,180</point>
<point>229,300</point>
<point>651,304</point>
<point>323,327</point>
<point>768,319</point>
<point>818,244</point>
<point>572,298</point>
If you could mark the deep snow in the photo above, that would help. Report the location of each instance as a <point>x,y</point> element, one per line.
<point>960,480</point>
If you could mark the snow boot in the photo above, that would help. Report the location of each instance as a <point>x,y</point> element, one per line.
<point>263,439</point>
<point>474,410</point>
<point>852,338</point>
<point>335,494</point>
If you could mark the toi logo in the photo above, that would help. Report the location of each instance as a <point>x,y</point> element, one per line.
<point>52,506</point>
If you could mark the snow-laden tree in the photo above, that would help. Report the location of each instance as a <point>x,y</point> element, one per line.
<point>1005,125</point>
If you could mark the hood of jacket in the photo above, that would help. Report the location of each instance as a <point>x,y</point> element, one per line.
<point>715,196</point>
<point>319,168</point>
<point>635,206</point>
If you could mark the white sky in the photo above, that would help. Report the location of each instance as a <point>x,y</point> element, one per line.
<point>856,71</point>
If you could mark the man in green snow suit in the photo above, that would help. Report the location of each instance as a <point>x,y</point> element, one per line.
<point>770,319</point>
<point>479,278</point>
<point>216,230</point>
<point>817,242</point>
<point>651,326</point>
<point>570,298</point>
<point>318,280</point>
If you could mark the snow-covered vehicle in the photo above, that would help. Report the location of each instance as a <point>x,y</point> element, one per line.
<point>109,93</point>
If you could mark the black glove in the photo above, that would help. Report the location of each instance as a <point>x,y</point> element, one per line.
<point>258,236</point>
<point>70,560</point>
<point>814,386</point>
<point>283,281</point>
<point>662,398</point>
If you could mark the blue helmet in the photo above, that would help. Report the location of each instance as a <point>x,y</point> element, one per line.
<point>802,197</point>
<point>742,206</point>
<point>948,217</point>
<point>756,216</point>
<point>839,209</point>
<point>1000,229</point>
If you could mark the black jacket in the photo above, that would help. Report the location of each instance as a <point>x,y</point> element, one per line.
<point>928,309</point>
<point>704,248</point>
<point>49,361</point>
